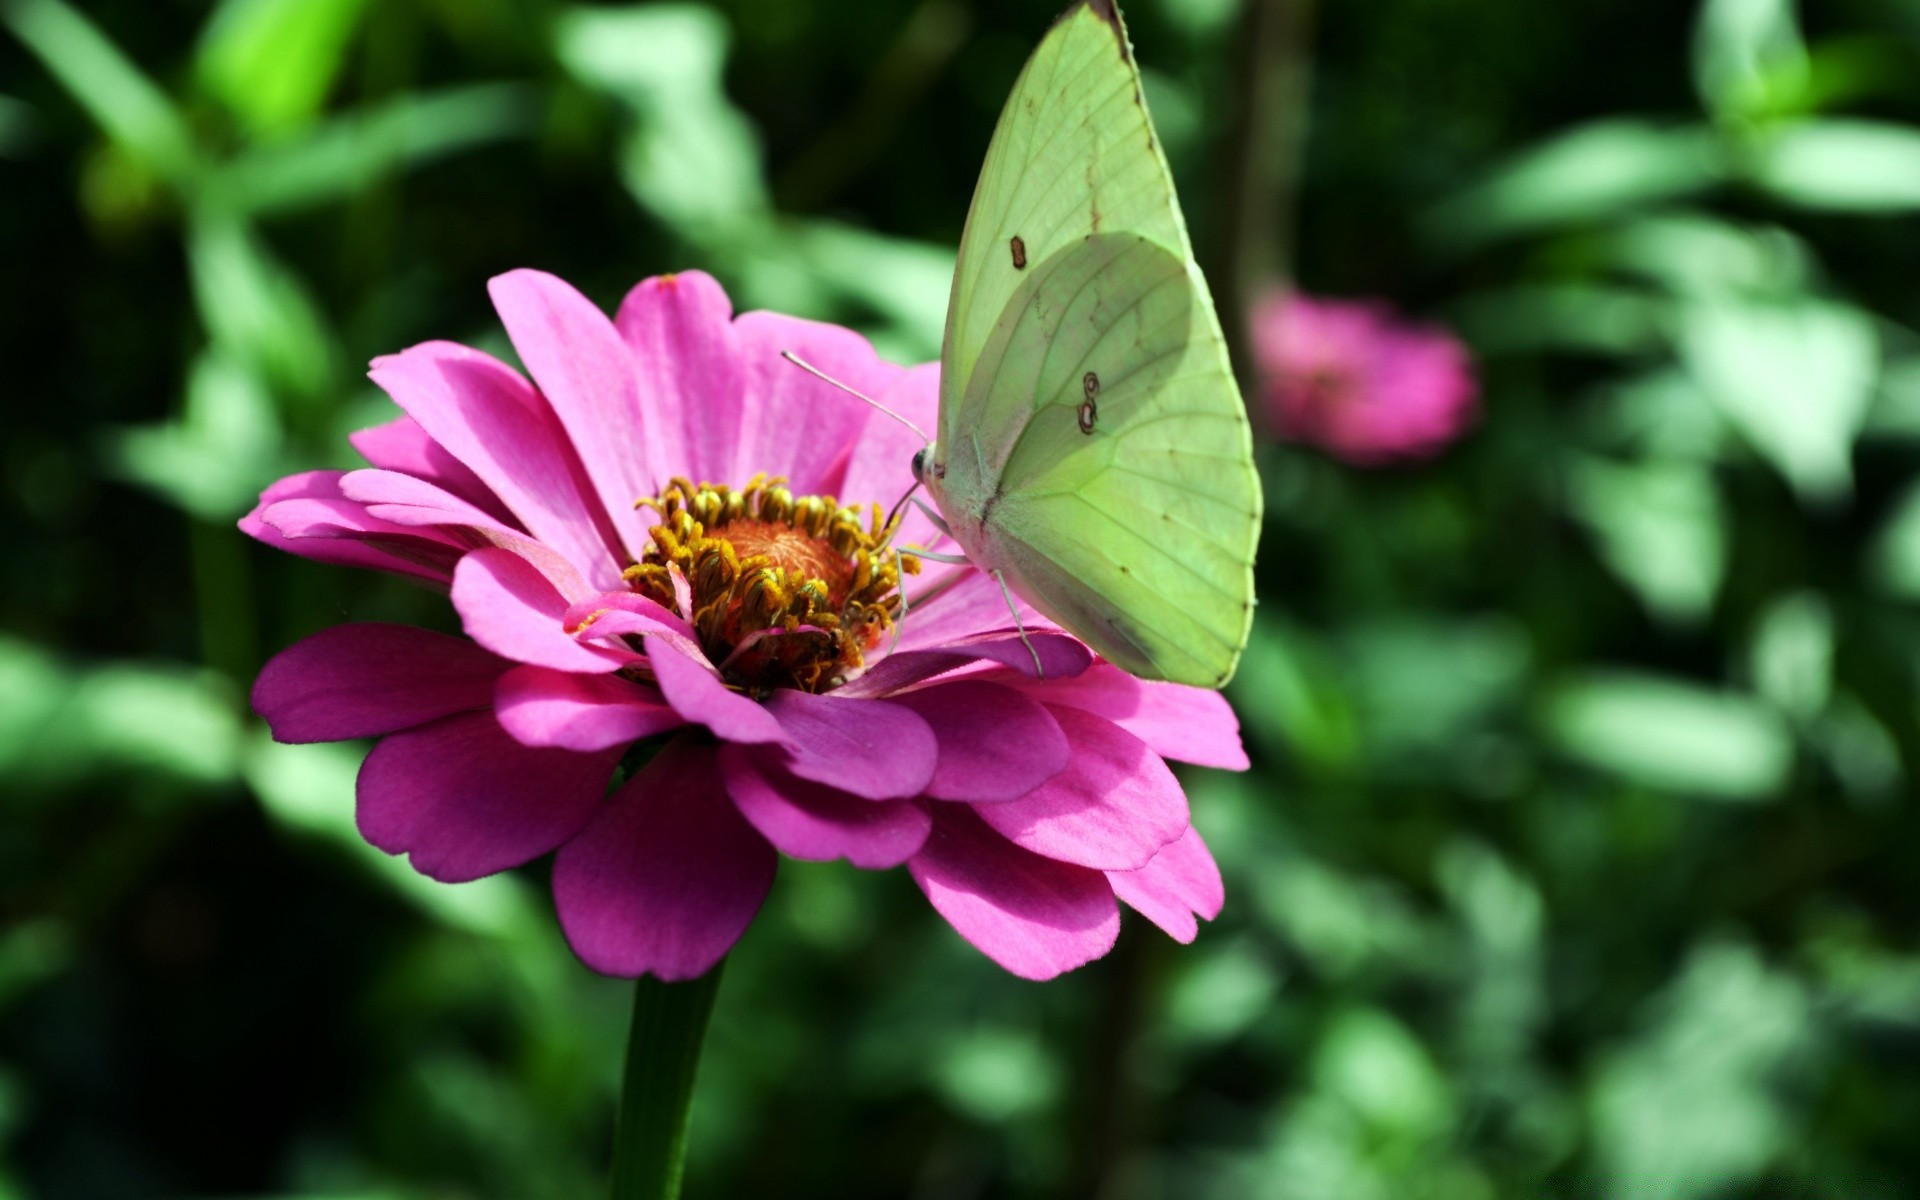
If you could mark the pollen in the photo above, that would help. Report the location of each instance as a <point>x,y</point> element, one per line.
<point>784,590</point>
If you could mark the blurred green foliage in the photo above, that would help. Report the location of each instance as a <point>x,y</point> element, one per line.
<point>1576,859</point>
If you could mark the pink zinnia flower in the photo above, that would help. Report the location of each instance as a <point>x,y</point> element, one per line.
<point>745,624</point>
<point>1353,378</point>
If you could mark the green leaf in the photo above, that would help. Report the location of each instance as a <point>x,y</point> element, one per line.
<point>18,126</point>
<point>1749,61</point>
<point>272,62</point>
<point>1661,531</point>
<point>255,309</point>
<point>1673,736</point>
<point>1568,317</point>
<point>1896,550</point>
<point>1592,173</point>
<point>693,159</point>
<point>1795,378</point>
<point>1843,166</point>
<point>1792,655</point>
<point>353,152</point>
<point>119,97</point>
<point>1696,255</point>
<point>214,460</point>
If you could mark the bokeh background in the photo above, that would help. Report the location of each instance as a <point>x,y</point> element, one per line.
<point>1579,853</point>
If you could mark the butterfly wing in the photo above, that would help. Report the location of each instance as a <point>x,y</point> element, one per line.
<point>1093,445</point>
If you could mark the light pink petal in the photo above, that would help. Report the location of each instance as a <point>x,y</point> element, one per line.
<point>462,799</point>
<point>322,525</point>
<point>407,501</point>
<point>995,743</point>
<point>1181,883</point>
<point>511,609</point>
<point>491,419</point>
<point>810,821</point>
<point>1061,657</point>
<point>586,373</point>
<point>1113,808</point>
<point>1034,916</point>
<point>354,681</point>
<point>402,445</point>
<point>543,707</point>
<point>667,877</point>
<point>696,692</point>
<point>871,748</point>
<point>792,401</point>
<point>971,605</point>
<point>881,465</point>
<point>691,386</point>
<point>1188,724</point>
<point>623,615</point>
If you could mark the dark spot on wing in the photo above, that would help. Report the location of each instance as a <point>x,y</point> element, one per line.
<point>1090,403</point>
<point>1105,10</point>
<point>1019,253</point>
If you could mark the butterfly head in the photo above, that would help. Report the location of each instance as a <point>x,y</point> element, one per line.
<point>928,468</point>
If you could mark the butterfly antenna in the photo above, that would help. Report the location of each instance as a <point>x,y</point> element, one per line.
<point>817,373</point>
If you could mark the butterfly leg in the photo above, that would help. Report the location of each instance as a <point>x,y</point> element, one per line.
<point>1039,672</point>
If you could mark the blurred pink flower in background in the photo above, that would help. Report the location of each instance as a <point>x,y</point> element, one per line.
<point>1355,379</point>
<point>745,625</point>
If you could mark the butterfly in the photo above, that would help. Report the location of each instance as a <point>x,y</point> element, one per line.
<point>1092,451</point>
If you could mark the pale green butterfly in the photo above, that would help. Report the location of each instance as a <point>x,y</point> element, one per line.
<point>1093,451</point>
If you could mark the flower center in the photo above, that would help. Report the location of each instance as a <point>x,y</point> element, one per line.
<point>783,590</point>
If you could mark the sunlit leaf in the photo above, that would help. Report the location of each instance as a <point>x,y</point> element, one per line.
<point>1568,317</point>
<point>115,92</point>
<point>1843,166</point>
<point>272,62</point>
<point>1792,655</point>
<point>216,457</point>
<point>1591,173</point>
<point>1748,58</point>
<point>1693,254</point>
<point>257,310</point>
<point>1660,528</point>
<point>1675,736</point>
<point>1794,377</point>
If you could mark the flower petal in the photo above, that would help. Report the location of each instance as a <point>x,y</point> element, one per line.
<point>402,445</point>
<point>791,399</point>
<point>492,420</point>
<point>1113,808</point>
<point>995,743</point>
<point>686,360</point>
<point>667,877</point>
<point>462,799</point>
<point>1034,916</point>
<point>881,464</point>
<point>543,707</point>
<point>307,515</point>
<point>510,608</point>
<point>810,821</point>
<point>1187,724</point>
<point>696,692</point>
<point>1061,657</point>
<point>586,374</point>
<point>411,502</point>
<point>355,681</point>
<point>1181,883</point>
<point>871,748</point>
<point>970,606</point>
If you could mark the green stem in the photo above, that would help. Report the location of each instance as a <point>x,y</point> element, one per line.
<point>663,1053</point>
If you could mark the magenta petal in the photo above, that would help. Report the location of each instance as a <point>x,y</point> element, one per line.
<point>509,607</point>
<point>686,360</point>
<point>1188,724</point>
<point>492,420</point>
<point>1034,916</point>
<point>1061,657</point>
<point>356,681</point>
<point>402,445</point>
<point>463,800</point>
<point>1181,883</point>
<point>407,501</point>
<point>321,524</point>
<point>872,748</point>
<point>667,877</point>
<point>995,743</point>
<point>542,707</point>
<point>696,692</point>
<point>881,464</point>
<point>1113,808</point>
<point>971,606</point>
<point>792,399</point>
<point>811,821</point>
<point>586,374</point>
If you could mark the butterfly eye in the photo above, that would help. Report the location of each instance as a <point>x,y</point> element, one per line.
<point>920,463</point>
